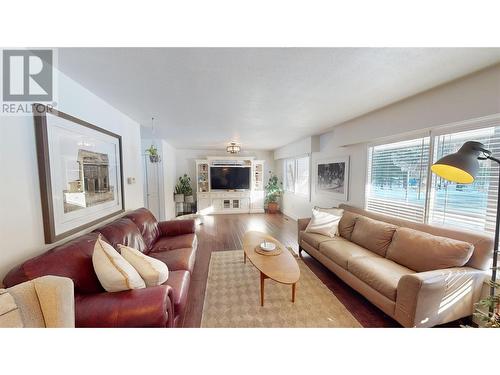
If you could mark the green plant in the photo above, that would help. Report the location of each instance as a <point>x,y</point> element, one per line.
<point>274,189</point>
<point>183,185</point>
<point>152,151</point>
<point>488,309</point>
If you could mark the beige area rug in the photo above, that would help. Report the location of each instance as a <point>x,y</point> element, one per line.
<point>232,298</point>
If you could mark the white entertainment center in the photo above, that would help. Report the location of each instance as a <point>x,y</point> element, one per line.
<point>227,201</point>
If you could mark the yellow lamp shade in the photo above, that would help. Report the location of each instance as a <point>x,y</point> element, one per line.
<point>451,173</point>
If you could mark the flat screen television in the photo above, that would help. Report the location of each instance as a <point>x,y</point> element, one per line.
<point>230,178</point>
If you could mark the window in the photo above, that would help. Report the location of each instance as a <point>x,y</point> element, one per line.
<point>401,184</point>
<point>297,175</point>
<point>397,178</point>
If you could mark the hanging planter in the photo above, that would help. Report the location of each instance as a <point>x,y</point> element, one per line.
<point>153,154</point>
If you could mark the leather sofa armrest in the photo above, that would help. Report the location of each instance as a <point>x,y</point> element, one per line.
<point>429,298</point>
<point>148,307</point>
<point>172,228</point>
<point>302,225</point>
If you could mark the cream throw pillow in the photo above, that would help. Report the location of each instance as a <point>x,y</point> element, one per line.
<point>113,271</point>
<point>325,223</point>
<point>153,271</point>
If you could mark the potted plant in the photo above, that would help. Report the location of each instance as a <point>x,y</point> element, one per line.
<point>153,154</point>
<point>274,189</point>
<point>488,309</point>
<point>183,190</point>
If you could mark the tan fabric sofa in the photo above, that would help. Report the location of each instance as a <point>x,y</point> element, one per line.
<point>420,275</point>
<point>44,302</point>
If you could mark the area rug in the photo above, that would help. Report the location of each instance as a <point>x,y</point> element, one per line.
<point>232,298</point>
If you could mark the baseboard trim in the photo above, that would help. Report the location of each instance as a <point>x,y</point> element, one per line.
<point>286,213</point>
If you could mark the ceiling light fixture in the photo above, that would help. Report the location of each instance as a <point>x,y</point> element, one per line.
<point>233,148</point>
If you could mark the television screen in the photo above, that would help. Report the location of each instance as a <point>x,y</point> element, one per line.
<point>230,178</point>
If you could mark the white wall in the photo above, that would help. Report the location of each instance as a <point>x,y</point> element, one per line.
<point>169,160</point>
<point>474,96</point>
<point>185,161</point>
<point>21,226</point>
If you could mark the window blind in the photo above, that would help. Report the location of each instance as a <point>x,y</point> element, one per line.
<point>302,173</point>
<point>397,179</point>
<point>290,175</point>
<point>471,206</point>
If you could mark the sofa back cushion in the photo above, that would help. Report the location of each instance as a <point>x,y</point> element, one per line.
<point>422,251</point>
<point>147,224</point>
<point>123,231</point>
<point>372,234</point>
<point>483,243</point>
<point>346,224</point>
<point>72,259</point>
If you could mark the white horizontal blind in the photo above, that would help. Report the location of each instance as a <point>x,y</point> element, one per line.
<point>397,179</point>
<point>302,176</point>
<point>289,175</point>
<point>471,206</point>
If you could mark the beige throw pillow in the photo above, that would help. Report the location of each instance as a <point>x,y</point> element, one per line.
<point>325,223</point>
<point>153,271</point>
<point>113,271</point>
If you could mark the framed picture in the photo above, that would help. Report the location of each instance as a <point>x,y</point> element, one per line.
<point>80,171</point>
<point>332,177</point>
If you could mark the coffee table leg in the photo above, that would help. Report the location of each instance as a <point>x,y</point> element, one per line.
<point>293,293</point>
<point>244,257</point>
<point>262,278</point>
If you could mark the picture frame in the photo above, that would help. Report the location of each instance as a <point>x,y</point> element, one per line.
<point>331,177</point>
<point>80,167</point>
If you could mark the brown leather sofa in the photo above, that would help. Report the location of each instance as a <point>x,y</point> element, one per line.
<point>173,242</point>
<point>412,280</point>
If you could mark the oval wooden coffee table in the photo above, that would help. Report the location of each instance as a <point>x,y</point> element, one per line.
<point>282,268</point>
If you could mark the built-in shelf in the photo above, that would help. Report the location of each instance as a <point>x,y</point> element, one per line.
<point>222,201</point>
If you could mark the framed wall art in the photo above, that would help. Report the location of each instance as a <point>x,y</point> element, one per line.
<point>332,177</point>
<point>80,170</point>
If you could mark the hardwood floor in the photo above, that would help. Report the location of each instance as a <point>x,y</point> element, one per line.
<point>225,232</point>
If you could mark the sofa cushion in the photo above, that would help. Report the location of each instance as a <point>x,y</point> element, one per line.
<point>179,281</point>
<point>147,224</point>
<point>314,239</point>
<point>340,251</point>
<point>123,231</point>
<point>176,242</point>
<point>346,224</point>
<point>381,274</point>
<point>372,234</point>
<point>113,271</point>
<point>422,251</point>
<point>177,259</point>
<point>153,271</point>
<point>324,222</point>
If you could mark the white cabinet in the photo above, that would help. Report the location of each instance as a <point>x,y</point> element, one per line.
<point>225,202</point>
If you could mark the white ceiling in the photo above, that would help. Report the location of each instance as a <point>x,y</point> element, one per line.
<point>261,97</point>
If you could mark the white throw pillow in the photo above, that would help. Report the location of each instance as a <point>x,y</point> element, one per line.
<point>113,271</point>
<point>325,223</point>
<point>153,271</point>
